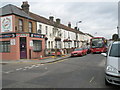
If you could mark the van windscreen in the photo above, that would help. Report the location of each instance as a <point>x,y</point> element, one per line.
<point>115,50</point>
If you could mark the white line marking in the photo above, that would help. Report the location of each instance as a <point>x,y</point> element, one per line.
<point>33,65</point>
<point>18,69</point>
<point>42,64</point>
<point>26,67</point>
<point>8,72</point>
<point>37,66</point>
<point>30,67</point>
<point>91,79</point>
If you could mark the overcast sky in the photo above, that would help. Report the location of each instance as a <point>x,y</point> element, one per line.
<point>99,18</point>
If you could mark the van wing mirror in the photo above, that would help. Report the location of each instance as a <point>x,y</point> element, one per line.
<point>104,54</point>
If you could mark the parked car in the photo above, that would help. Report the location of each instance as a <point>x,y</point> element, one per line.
<point>52,53</point>
<point>78,52</point>
<point>112,69</point>
<point>85,49</point>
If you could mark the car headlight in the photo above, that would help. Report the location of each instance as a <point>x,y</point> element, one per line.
<point>111,69</point>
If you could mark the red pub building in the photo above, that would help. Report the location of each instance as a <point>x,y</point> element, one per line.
<point>18,38</point>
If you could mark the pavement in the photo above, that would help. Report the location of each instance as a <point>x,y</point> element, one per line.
<point>43,60</point>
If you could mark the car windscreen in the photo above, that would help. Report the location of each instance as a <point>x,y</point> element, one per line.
<point>115,50</point>
<point>78,49</point>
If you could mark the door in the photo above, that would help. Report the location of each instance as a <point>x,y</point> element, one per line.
<point>23,48</point>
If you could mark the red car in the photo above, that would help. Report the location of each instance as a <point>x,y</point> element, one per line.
<point>78,52</point>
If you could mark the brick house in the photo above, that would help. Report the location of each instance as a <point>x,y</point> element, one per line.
<point>19,38</point>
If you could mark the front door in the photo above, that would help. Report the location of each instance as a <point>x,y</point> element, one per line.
<point>23,48</point>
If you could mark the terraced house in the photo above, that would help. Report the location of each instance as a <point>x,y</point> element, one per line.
<point>25,35</point>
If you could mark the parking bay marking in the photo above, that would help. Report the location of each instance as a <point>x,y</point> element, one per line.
<point>91,79</point>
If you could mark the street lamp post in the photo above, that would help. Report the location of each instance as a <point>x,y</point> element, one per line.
<point>77,29</point>
<point>77,24</point>
<point>118,31</point>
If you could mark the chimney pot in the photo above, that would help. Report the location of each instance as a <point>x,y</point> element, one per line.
<point>69,25</point>
<point>51,18</point>
<point>25,6</point>
<point>58,21</point>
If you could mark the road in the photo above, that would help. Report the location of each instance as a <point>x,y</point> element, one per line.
<point>73,72</point>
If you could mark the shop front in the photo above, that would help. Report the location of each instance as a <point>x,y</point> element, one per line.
<point>15,46</point>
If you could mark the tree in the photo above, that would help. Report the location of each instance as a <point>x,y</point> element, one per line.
<point>115,37</point>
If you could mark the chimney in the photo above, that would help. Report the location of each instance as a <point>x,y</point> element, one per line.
<point>69,24</point>
<point>51,18</point>
<point>58,21</point>
<point>75,28</point>
<point>25,7</point>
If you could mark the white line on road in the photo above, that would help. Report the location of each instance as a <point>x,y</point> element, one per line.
<point>42,64</point>
<point>91,79</point>
<point>26,67</point>
<point>18,69</point>
<point>9,72</point>
<point>37,65</point>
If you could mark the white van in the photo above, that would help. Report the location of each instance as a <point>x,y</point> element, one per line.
<point>112,68</point>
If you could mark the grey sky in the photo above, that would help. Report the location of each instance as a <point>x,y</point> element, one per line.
<point>100,17</point>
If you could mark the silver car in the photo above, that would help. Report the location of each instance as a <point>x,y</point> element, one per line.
<point>112,68</point>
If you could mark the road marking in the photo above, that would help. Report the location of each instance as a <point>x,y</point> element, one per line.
<point>9,72</point>
<point>37,65</point>
<point>18,69</point>
<point>26,67</point>
<point>33,65</point>
<point>42,64</point>
<point>91,79</point>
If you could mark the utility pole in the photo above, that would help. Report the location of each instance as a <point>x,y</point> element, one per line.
<point>118,31</point>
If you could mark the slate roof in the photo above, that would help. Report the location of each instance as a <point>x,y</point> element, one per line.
<point>11,9</point>
<point>47,21</point>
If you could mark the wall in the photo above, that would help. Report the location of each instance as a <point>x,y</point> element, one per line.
<point>14,53</point>
<point>25,24</point>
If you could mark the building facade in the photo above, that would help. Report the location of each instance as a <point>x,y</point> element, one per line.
<point>18,38</point>
<point>26,35</point>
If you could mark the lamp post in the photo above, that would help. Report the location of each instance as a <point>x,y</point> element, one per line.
<point>118,31</point>
<point>77,24</point>
<point>76,33</point>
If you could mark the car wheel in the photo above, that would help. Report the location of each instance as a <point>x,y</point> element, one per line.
<point>106,82</point>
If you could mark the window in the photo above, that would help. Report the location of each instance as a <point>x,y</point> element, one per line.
<point>40,29</point>
<point>115,50</point>
<point>37,45</point>
<point>4,46</point>
<point>49,44</point>
<point>53,31</point>
<point>46,29</point>
<point>30,26</point>
<point>20,25</point>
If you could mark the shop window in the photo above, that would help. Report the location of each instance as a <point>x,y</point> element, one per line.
<point>30,26</point>
<point>4,46</point>
<point>37,45</point>
<point>20,25</point>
